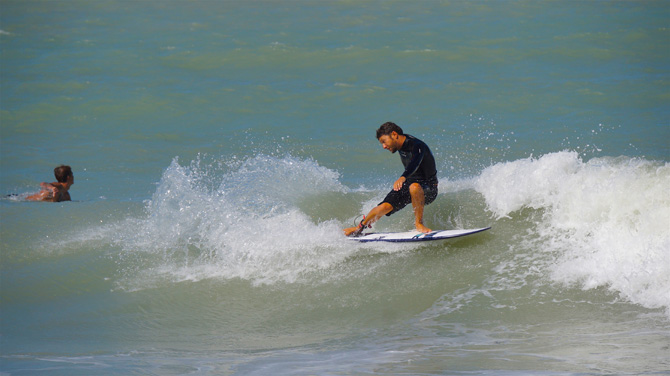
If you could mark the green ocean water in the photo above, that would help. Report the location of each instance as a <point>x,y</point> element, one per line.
<point>219,148</point>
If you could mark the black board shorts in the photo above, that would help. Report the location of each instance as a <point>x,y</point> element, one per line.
<point>400,199</point>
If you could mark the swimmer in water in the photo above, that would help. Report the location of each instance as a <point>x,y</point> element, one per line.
<point>58,190</point>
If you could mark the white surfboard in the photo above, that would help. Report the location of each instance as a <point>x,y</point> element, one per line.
<point>416,236</point>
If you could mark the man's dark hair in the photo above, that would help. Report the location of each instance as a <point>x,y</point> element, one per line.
<point>62,172</point>
<point>388,128</point>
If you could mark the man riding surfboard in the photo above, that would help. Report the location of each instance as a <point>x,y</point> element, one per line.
<point>417,184</point>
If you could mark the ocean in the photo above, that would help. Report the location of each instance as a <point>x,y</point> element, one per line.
<point>220,147</point>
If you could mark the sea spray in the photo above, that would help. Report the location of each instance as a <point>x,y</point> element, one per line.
<point>242,222</point>
<point>604,222</point>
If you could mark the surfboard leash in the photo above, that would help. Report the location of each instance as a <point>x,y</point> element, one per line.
<point>360,226</point>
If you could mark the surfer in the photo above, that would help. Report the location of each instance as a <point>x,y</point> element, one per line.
<point>58,190</point>
<point>417,185</point>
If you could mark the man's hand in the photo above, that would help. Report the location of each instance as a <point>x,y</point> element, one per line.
<point>398,183</point>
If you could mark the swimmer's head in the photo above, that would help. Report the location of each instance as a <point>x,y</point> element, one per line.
<point>62,173</point>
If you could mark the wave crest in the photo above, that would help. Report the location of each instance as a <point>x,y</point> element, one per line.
<point>606,221</point>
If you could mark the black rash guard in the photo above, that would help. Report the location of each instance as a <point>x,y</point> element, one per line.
<point>418,161</point>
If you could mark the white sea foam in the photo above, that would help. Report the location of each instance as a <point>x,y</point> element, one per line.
<point>606,222</point>
<point>246,225</point>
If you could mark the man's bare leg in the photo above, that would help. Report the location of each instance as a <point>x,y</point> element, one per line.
<point>372,217</point>
<point>418,202</point>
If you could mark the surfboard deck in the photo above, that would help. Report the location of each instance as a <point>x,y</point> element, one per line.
<point>416,236</point>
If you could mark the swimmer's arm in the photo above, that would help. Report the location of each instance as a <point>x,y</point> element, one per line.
<point>49,192</point>
<point>49,187</point>
<point>43,195</point>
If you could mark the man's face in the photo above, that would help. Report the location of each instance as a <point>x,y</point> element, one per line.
<point>390,142</point>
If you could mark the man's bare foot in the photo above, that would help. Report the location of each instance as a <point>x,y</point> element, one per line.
<point>421,228</point>
<point>349,231</point>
